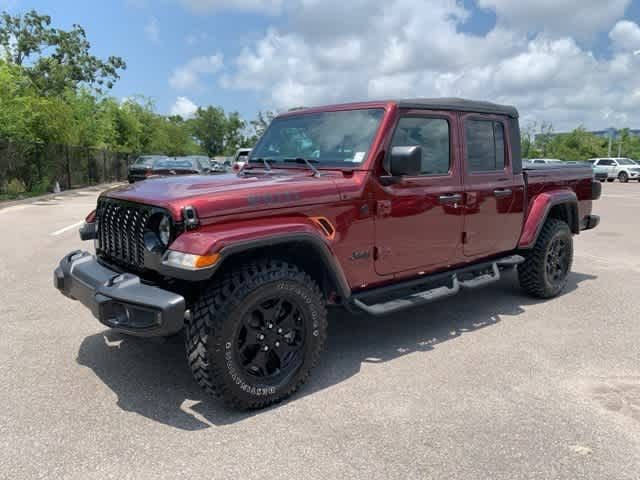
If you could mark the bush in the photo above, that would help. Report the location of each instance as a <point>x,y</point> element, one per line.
<point>15,187</point>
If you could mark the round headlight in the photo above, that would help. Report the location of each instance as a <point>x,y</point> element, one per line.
<point>164,230</point>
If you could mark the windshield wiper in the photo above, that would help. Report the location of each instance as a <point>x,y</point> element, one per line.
<point>309,163</point>
<point>265,161</point>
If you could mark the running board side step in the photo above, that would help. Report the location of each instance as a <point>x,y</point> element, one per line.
<point>435,287</point>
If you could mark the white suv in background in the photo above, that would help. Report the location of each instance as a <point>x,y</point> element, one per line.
<point>547,161</point>
<point>240,158</point>
<point>624,169</point>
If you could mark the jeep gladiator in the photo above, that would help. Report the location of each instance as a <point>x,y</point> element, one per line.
<point>375,207</point>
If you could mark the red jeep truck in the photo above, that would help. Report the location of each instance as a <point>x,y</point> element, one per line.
<point>376,207</point>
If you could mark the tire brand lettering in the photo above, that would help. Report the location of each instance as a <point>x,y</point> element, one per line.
<point>245,387</point>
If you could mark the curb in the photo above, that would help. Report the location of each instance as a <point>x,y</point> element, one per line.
<point>65,193</point>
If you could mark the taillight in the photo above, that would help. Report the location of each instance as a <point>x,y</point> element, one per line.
<point>91,217</point>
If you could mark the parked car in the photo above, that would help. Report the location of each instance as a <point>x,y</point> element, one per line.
<point>545,161</point>
<point>240,158</point>
<point>142,168</point>
<point>218,167</point>
<point>599,173</point>
<point>376,207</point>
<point>624,169</point>
<point>188,165</point>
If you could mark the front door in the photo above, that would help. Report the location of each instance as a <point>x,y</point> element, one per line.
<point>494,196</point>
<point>419,219</point>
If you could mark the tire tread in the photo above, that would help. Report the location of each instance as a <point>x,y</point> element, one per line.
<point>214,305</point>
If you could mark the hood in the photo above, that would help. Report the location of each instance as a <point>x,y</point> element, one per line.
<point>228,194</point>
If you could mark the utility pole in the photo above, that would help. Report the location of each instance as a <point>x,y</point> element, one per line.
<point>610,141</point>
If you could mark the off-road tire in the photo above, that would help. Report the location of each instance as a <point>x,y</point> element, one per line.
<point>623,177</point>
<point>532,273</point>
<point>216,314</point>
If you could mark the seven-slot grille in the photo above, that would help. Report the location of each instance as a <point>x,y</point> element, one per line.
<point>121,227</point>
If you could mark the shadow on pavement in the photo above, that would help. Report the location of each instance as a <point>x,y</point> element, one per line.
<point>152,378</point>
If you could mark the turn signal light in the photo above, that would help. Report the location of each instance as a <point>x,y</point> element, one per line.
<point>203,261</point>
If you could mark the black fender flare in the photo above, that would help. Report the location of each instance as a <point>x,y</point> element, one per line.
<point>319,247</point>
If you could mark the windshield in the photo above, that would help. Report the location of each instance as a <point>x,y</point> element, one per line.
<point>146,160</point>
<point>175,163</point>
<point>324,138</point>
<point>625,161</point>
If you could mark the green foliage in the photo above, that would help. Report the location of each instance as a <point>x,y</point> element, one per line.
<point>15,187</point>
<point>260,124</point>
<point>218,133</point>
<point>52,100</point>
<point>55,59</point>
<point>539,141</point>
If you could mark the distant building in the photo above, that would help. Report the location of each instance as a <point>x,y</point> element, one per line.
<point>609,132</point>
<point>613,133</point>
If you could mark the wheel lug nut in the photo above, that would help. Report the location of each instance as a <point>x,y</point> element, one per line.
<point>277,344</point>
<point>265,348</point>
<point>279,330</point>
<point>269,325</point>
<point>260,337</point>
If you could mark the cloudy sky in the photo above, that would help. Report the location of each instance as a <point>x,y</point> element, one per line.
<point>568,61</point>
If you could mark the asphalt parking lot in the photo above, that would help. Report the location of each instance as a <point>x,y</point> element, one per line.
<point>488,385</point>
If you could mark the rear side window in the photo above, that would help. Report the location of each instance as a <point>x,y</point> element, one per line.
<point>605,163</point>
<point>432,134</point>
<point>485,145</point>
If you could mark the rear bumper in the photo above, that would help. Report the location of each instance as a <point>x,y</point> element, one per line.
<point>601,176</point>
<point>119,301</point>
<point>589,222</point>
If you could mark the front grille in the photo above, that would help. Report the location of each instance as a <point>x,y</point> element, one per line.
<point>121,227</point>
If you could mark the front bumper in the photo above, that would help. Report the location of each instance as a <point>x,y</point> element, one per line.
<point>119,301</point>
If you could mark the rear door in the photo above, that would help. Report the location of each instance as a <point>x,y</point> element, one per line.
<point>419,220</point>
<point>609,165</point>
<point>494,196</point>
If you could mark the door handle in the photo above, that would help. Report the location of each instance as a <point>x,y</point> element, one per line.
<point>450,198</point>
<point>502,193</point>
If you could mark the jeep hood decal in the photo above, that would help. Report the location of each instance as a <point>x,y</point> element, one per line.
<point>214,195</point>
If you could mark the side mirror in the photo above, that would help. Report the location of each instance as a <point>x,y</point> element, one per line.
<point>406,161</point>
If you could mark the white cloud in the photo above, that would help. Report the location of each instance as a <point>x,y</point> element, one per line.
<point>626,35</point>
<point>261,6</point>
<point>152,30</point>
<point>576,17</point>
<point>188,76</point>
<point>406,48</point>
<point>196,38</point>
<point>183,107</point>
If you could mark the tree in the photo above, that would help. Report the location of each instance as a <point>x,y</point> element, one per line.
<point>208,128</point>
<point>528,140</point>
<point>544,137</point>
<point>261,123</point>
<point>234,138</point>
<point>27,40</point>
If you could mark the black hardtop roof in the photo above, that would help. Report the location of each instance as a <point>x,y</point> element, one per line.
<point>458,104</point>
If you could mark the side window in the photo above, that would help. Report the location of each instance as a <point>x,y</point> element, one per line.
<point>432,134</point>
<point>485,145</point>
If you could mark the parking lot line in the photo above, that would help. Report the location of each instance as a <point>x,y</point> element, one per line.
<point>66,229</point>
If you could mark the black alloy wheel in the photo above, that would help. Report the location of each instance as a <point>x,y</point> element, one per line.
<point>270,340</point>
<point>558,261</point>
